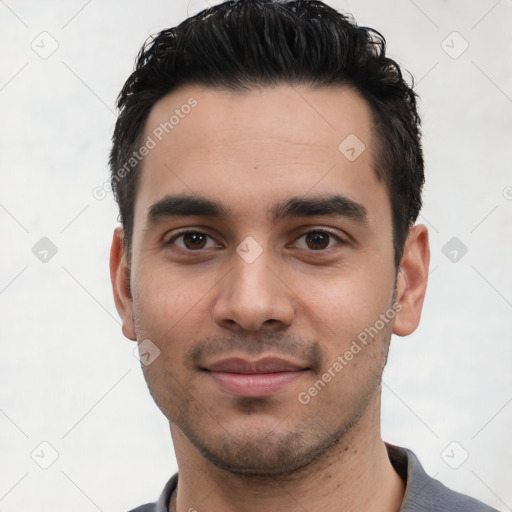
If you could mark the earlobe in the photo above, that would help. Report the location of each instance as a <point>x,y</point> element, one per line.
<point>412,281</point>
<point>120,284</point>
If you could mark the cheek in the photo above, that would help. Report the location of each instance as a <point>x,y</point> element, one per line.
<point>168,310</point>
<point>167,300</point>
<point>345,302</point>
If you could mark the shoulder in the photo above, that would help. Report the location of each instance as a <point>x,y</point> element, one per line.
<point>149,507</point>
<point>162,505</point>
<point>445,499</point>
<point>423,493</point>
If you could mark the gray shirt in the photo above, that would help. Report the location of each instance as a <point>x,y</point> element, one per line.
<point>422,493</point>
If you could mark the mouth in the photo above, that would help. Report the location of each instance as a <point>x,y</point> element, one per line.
<point>261,378</point>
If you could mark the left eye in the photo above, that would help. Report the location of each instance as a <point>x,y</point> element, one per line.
<point>192,240</point>
<point>318,240</point>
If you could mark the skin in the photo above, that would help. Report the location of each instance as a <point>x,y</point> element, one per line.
<point>301,300</point>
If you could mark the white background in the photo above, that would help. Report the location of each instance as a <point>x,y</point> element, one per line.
<point>68,377</point>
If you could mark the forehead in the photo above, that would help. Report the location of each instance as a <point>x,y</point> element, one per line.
<point>259,144</point>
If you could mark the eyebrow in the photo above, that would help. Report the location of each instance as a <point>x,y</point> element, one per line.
<point>182,205</point>
<point>332,205</point>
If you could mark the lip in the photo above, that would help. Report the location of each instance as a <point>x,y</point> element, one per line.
<point>244,366</point>
<point>244,378</point>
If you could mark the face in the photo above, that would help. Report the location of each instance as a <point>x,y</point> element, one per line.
<point>262,269</point>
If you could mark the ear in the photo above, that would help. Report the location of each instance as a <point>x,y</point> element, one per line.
<point>120,283</point>
<point>412,281</point>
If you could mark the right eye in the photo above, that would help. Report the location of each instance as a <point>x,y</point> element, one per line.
<point>192,241</point>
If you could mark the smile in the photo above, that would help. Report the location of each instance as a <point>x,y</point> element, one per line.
<point>261,378</point>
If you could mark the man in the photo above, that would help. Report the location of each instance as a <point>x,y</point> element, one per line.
<point>268,169</point>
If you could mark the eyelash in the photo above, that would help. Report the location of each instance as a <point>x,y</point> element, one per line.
<point>201,251</point>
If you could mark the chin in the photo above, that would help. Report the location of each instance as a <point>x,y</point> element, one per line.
<point>267,452</point>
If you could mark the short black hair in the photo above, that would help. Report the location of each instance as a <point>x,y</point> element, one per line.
<point>243,44</point>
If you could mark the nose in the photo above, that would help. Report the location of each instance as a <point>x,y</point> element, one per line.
<point>252,297</point>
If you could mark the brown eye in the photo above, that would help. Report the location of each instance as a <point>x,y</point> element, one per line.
<point>317,240</point>
<point>192,241</point>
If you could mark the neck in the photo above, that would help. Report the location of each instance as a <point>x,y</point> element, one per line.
<point>354,475</point>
